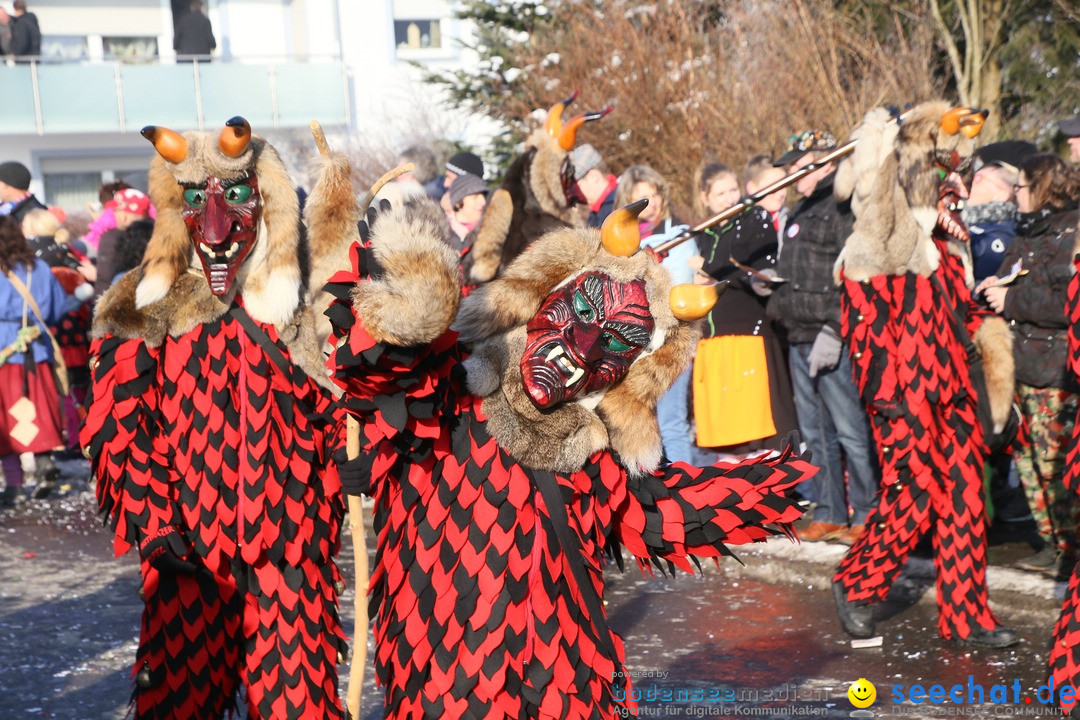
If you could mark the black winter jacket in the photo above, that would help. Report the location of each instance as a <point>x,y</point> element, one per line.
<point>1035,302</point>
<point>816,231</point>
<point>25,35</point>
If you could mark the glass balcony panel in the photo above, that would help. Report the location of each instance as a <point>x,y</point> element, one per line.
<point>78,98</point>
<point>17,107</point>
<point>159,95</point>
<point>311,92</point>
<point>232,89</point>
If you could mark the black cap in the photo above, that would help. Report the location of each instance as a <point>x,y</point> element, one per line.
<point>466,163</point>
<point>1070,127</point>
<point>15,174</point>
<point>1009,153</point>
<point>804,142</point>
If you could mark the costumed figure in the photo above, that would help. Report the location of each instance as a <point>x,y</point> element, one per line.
<point>538,193</point>
<point>210,431</point>
<point>909,320</point>
<point>499,477</point>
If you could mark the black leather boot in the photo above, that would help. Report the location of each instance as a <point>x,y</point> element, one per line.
<point>858,620</point>
<point>999,637</point>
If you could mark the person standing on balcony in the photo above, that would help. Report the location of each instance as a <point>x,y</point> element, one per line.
<point>25,32</point>
<point>15,196</point>
<point>5,31</point>
<point>194,38</point>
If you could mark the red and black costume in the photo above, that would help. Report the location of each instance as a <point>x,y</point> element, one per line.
<point>1064,658</point>
<point>476,607</point>
<point>907,315</point>
<point>211,430</point>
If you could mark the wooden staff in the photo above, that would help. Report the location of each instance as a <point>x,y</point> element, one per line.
<point>358,661</point>
<point>749,201</point>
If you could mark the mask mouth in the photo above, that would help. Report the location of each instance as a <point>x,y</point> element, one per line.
<point>950,208</point>
<point>222,261</point>
<point>556,355</point>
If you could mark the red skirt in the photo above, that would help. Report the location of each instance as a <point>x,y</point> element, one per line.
<point>29,421</point>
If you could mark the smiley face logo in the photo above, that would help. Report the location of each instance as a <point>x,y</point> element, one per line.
<point>862,693</point>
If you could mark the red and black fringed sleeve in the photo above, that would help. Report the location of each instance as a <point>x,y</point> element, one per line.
<point>119,436</point>
<point>680,511</point>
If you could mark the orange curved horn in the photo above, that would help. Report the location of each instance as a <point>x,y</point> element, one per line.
<point>169,144</point>
<point>553,124</point>
<point>234,137</point>
<point>620,234</point>
<point>971,125</point>
<point>950,121</point>
<point>568,135</point>
<point>692,302</point>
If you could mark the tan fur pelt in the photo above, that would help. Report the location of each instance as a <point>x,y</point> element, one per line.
<point>892,180</point>
<point>417,296</point>
<point>995,343</point>
<point>561,439</point>
<point>271,280</point>
<point>188,305</point>
<point>330,215</point>
<point>545,178</point>
<point>499,310</point>
<point>629,408</point>
<point>491,236</point>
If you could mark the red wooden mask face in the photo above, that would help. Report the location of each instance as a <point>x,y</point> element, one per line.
<point>222,218</point>
<point>584,338</point>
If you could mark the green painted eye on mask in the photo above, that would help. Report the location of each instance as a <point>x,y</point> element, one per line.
<point>194,197</point>
<point>610,342</point>
<point>238,194</point>
<point>583,308</point>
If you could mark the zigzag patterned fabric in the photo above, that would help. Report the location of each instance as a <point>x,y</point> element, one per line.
<point>911,371</point>
<point>1064,657</point>
<point>206,435</point>
<point>476,611</point>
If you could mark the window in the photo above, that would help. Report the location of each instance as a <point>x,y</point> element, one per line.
<point>417,34</point>
<point>130,48</point>
<point>64,47</point>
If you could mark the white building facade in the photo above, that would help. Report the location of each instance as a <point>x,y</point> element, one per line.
<point>108,68</point>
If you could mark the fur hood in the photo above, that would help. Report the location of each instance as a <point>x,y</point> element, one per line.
<point>282,279</point>
<point>529,203</point>
<point>892,182</point>
<point>418,292</point>
<point>273,279</point>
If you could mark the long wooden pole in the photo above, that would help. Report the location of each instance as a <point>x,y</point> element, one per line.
<point>358,661</point>
<point>747,202</point>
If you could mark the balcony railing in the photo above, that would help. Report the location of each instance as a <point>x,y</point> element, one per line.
<point>42,98</point>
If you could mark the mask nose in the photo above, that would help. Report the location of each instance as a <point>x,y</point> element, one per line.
<point>216,224</point>
<point>587,342</point>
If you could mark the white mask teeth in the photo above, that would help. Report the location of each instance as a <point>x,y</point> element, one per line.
<point>578,374</point>
<point>206,248</point>
<point>555,352</point>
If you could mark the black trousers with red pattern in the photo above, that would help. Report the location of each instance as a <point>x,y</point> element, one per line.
<point>948,504</point>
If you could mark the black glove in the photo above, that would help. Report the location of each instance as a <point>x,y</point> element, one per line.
<point>167,552</point>
<point>355,474</point>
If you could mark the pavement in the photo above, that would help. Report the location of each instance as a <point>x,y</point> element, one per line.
<point>758,638</point>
